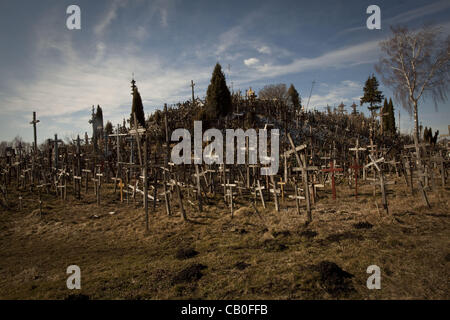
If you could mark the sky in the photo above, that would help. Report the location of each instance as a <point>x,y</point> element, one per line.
<point>61,73</point>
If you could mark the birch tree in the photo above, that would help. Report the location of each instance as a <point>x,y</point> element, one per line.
<point>416,65</point>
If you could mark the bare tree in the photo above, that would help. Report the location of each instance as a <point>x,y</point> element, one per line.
<point>274,91</point>
<point>415,65</point>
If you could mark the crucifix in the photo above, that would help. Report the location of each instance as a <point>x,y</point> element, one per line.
<point>332,170</point>
<point>34,122</point>
<point>56,142</point>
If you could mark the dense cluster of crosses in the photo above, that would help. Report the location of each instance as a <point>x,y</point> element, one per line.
<point>139,171</point>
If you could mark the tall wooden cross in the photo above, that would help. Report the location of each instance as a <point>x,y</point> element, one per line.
<point>192,86</point>
<point>304,177</point>
<point>78,155</point>
<point>381,182</point>
<point>56,142</point>
<point>332,169</point>
<point>118,135</point>
<point>357,149</point>
<point>356,168</point>
<point>34,122</point>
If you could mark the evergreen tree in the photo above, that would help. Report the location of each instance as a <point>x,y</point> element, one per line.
<point>427,134</point>
<point>218,97</point>
<point>391,117</point>
<point>384,110</point>
<point>108,128</point>
<point>99,121</point>
<point>372,95</point>
<point>294,97</point>
<point>137,107</point>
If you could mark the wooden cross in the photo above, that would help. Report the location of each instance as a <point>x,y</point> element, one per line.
<point>275,196</point>
<point>229,194</point>
<point>56,142</point>
<point>381,115</point>
<point>304,177</point>
<point>260,189</point>
<point>199,190</point>
<point>192,86</point>
<point>121,185</point>
<point>86,174</point>
<point>118,135</point>
<point>282,183</point>
<point>34,122</point>
<point>137,131</point>
<point>77,186</point>
<point>297,197</point>
<point>356,168</point>
<point>381,182</point>
<point>357,149</point>
<point>332,169</point>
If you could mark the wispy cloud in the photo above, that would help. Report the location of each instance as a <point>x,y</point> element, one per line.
<point>343,57</point>
<point>264,50</point>
<point>109,17</point>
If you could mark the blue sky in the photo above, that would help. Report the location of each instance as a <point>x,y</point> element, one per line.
<point>61,73</point>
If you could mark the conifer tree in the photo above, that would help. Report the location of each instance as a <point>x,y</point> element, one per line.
<point>108,128</point>
<point>294,97</point>
<point>391,117</point>
<point>99,121</point>
<point>218,97</point>
<point>372,95</point>
<point>137,107</point>
<point>384,110</point>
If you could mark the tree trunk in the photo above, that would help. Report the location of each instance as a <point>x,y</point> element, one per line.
<point>416,132</point>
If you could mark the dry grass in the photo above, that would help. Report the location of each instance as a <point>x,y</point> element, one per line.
<point>272,256</point>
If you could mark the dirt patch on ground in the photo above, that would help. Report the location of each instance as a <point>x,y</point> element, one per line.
<point>335,280</point>
<point>185,253</point>
<point>363,225</point>
<point>189,274</point>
